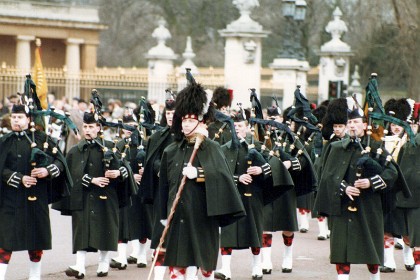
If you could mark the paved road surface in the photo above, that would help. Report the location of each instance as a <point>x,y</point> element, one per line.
<point>310,259</point>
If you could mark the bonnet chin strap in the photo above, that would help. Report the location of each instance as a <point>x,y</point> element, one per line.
<point>192,131</point>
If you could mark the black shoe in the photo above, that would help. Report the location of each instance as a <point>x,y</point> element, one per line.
<point>131,260</point>
<point>398,246</point>
<point>102,274</point>
<point>117,264</point>
<point>320,237</point>
<point>74,273</point>
<point>286,270</point>
<point>385,269</point>
<point>141,265</point>
<point>257,277</point>
<point>219,275</point>
<point>303,230</point>
<point>409,267</point>
<point>266,271</point>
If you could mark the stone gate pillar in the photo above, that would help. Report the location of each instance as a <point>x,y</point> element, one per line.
<point>243,53</point>
<point>334,57</point>
<point>160,64</point>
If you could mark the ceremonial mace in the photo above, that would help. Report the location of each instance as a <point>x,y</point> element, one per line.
<point>198,140</point>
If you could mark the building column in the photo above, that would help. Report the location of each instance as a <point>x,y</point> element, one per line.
<point>23,58</point>
<point>288,73</point>
<point>73,67</point>
<point>159,71</point>
<point>89,56</point>
<point>23,52</point>
<point>73,54</point>
<point>243,64</point>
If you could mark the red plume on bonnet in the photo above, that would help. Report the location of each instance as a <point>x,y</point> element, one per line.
<point>416,112</point>
<point>230,91</point>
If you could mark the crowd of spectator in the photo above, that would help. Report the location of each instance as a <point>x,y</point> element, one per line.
<point>112,111</point>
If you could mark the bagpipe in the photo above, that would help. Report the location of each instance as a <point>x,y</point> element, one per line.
<point>376,114</point>
<point>366,167</point>
<point>293,147</point>
<point>253,158</point>
<point>256,112</point>
<point>373,163</point>
<point>227,122</point>
<point>270,156</point>
<point>37,117</point>
<point>390,119</point>
<point>282,180</point>
<point>256,127</point>
<point>221,129</point>
<point>281,132</point>
<point>45,156</point>
<point>306,121</point>
<point>145,118</point>
<point>51,114</point>
<point>109,154</point>
<point>137,137</point>
<point>120,155</point>
<point>301,103</point>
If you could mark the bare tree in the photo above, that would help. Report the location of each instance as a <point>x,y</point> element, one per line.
<point>408,22</point>
<point>382,33</point>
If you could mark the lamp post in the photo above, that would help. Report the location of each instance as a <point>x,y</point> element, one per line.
<point>294,12</point>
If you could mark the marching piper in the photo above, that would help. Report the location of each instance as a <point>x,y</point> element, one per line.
<point>33,174</point>
<point>134,220</point>
<point>395,216</point>
<point>150,181</point>
<point>250,171</point>
<point>350,196</point>
<point>222,100</point>
<point>95,198</point>
<point>280,215</point>
<point>333,130</point>
<point>409,165</point>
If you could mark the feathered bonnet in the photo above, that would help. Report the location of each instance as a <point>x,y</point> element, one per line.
<point>192,102</point>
